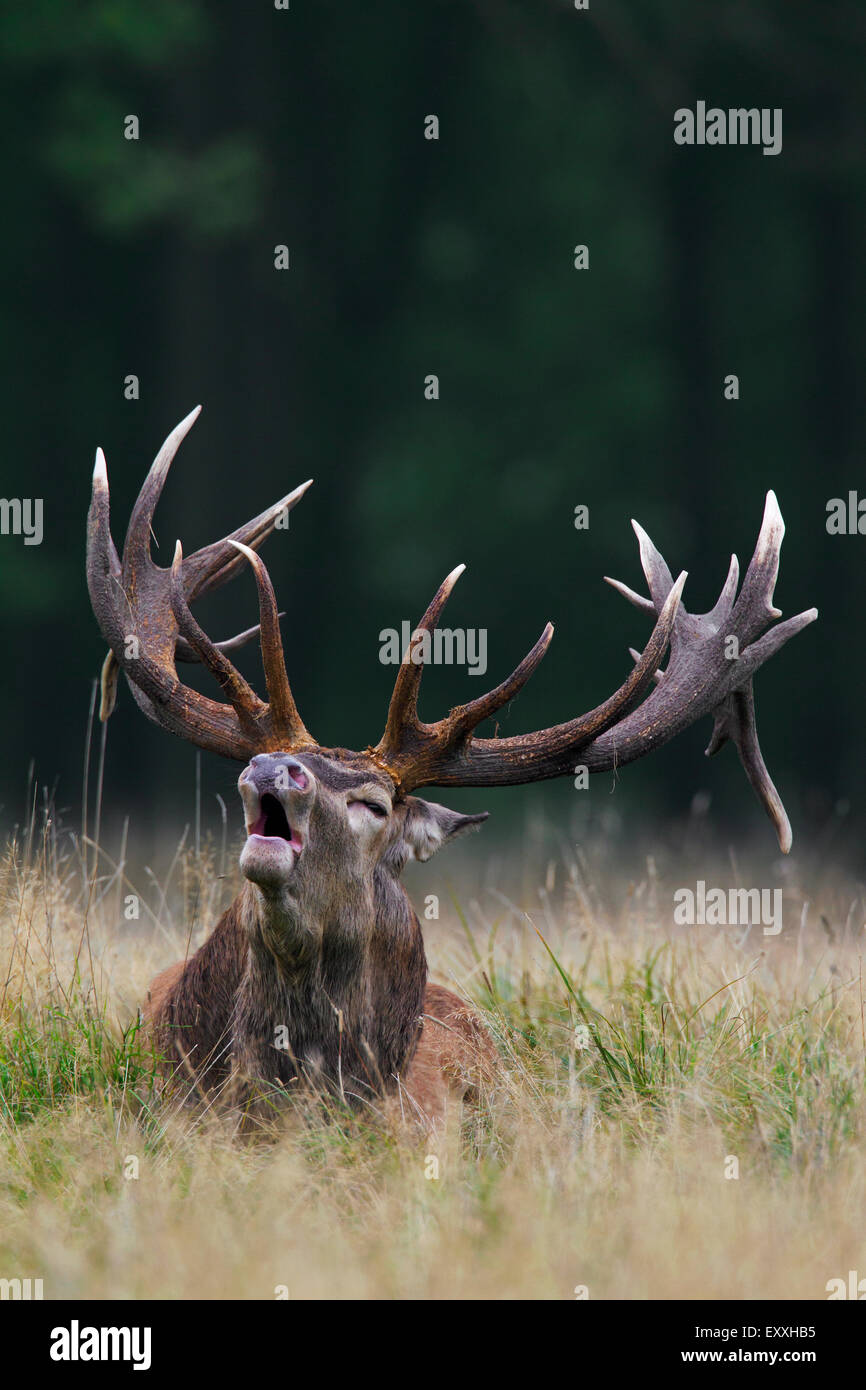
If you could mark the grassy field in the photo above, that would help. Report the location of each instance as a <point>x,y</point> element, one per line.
<point>681,1112</point>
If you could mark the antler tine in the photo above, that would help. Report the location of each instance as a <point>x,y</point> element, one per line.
<point>658,576</point>
<point>244,700</point>
<point>735,719</point>
<point>136,549</point>
<point>103,580</point>
<point>103,563</point>
<point>468,717</point>
<point>645,605</point>
<point>184,652</point>
<point>725,602</point>
<point>754,605</point>
<point>760,651</point>
<point>403,709</point>
<point>285,718</point>
<point>218,562</point>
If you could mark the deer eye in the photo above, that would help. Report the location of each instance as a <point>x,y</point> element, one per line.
<point>376,808</point>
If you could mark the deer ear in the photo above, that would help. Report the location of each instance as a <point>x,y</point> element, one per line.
<point>427,827</point>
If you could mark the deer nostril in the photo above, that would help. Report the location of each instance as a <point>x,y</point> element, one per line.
<point>298,774</point>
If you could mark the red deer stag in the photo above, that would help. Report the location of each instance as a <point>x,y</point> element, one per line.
<point>317,970</point>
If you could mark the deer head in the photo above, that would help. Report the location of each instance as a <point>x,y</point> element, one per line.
<point>316,825</point>
<point>329,829</point>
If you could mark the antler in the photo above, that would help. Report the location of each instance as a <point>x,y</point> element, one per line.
<point>143,613</point>
<point>713,659</point>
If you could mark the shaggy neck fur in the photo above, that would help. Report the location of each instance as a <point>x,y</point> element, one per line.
<point>333,1001</point>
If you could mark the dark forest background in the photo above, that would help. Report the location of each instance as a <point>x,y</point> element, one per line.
<point>408,257</point>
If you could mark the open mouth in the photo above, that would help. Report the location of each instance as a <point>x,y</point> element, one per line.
<point>272,823</point>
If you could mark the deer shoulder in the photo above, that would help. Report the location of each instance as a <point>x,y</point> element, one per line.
<point>454,1062</point>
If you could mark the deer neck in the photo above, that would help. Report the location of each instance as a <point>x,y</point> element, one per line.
<point>331,997</point>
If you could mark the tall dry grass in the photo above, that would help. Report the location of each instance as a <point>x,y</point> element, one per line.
<point>642,1066</point>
